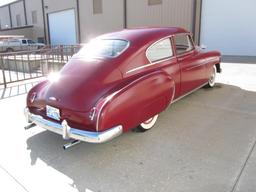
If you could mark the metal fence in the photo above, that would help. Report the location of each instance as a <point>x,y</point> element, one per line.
<point>25,65</point>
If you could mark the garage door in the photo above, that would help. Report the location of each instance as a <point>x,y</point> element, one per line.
<point>229,26</point>
<point>62,27</point>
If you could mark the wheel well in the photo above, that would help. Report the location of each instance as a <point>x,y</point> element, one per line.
<point>218,68</point>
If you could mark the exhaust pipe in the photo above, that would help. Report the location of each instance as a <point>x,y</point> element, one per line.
<point>71,144</point>
<point>29,126</point>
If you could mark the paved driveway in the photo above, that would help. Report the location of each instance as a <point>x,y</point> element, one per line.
<point>204,142</point>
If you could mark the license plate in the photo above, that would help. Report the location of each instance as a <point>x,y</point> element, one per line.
<point>53,112</point>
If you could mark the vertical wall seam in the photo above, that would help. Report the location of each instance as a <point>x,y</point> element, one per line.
<point>10,15</point>
<point>25,12</point>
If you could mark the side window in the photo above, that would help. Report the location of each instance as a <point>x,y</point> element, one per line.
<point>31,42</point>
<point>24,41</point>
<point>183,43</point>
<point>160,50</point>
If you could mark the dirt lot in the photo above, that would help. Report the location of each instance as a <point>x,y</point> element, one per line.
<point>202,143</point>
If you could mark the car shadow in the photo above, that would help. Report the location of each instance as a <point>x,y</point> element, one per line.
<point>95,166</point>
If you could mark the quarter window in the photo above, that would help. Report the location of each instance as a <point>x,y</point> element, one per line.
<point>183,44</point>
<point>160,50</point>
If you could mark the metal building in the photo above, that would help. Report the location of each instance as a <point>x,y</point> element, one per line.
<point>75,21</point>
<point>216,24</point>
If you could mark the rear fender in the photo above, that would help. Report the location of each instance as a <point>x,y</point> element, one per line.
<point>136,102</point>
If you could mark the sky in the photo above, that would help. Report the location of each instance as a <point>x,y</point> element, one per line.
<point>3,2</point>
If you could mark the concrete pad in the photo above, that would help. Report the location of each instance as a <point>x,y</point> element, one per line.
<point>247,181</point>
<point>199,144</point>
<point>10,184</point>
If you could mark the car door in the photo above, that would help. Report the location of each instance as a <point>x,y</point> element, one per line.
<point>192,68</point>
<point>161,55</point>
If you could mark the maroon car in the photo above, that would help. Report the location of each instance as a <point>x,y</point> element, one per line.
<point>119,81</point>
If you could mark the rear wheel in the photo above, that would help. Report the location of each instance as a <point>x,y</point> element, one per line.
<point>212,79</point>
<point>148,124</point>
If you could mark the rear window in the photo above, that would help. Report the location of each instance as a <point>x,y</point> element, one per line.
<point>103,48</point>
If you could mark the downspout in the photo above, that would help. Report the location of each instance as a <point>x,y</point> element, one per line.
<point>25,12</point>
<point>197,20</point>
<point>45,39</point>
<point>200,22</point>
<point>125,14</point>
<point>78,21</point>
<point>10,15</point>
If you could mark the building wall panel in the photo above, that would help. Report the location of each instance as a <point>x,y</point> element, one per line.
<point>168,13</point>
<point>27,32</point>
<point>38,29</point>
<point>92,25</point>
<point>17,9</point>
<point>4,17</point>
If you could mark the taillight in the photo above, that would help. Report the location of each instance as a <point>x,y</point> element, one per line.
<point>32,97</point>
<point>92,113</point>
<point>99,106</point>
<point>95,110</point>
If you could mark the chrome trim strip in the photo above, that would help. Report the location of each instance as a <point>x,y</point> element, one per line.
<point>148,65</point>
<point>103,105</point>
<point>193,67</point>
<point>173,95</point>
<point>189,93</point>
<point>72,133</point>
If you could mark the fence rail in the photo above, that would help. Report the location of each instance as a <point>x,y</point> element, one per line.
<point>25,65</point>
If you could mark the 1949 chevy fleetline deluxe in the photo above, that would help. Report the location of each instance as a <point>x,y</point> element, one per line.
<point>119,81</point>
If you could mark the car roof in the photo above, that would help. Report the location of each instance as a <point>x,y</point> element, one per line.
<point>144,35</point>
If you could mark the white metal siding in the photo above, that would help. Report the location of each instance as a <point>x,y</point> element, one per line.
<point>62,27</point>
<point>170,13</point>
<point>111,19</point>
<point>5,18</point>
<point>229,26</point>
<point>17,9</point>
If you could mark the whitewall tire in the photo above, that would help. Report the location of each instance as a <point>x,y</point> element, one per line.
<point>148,124</point>
<point>212,78</point>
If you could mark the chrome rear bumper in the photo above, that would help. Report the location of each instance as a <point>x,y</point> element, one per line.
<point>68,132</point>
